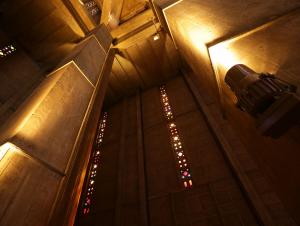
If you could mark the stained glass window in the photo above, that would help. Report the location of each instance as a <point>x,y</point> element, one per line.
<point>92,9</point>
<point>182,163</point>
<point>94,165</point>
<point>7,50</point>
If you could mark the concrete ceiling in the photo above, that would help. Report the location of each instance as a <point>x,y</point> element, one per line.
<point>213,21</point>
<point>144,64</point>
<point>141,62</point>
<point>131,8</point>
<point>46,30</point>
<point>115,12</point>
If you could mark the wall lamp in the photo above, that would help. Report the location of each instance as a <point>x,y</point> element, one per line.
<point>272,101</point>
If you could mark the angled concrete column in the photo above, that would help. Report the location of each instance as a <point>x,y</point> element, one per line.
<point>45,134</point>
<point>159,7</point>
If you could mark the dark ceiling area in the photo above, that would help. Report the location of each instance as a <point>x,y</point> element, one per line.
<point>143,65</point>
<point>47,31</point>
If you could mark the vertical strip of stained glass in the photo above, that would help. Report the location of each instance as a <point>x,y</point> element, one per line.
<point>94,165</point>
<point>177,146</point>
<point>7,50</point>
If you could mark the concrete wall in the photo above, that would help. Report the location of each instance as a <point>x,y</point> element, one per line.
<point>215,199</point>
<point>262,41</point>
<point>19,76</point>
<point>46,30</point>
<point>46,132</point>
<point>196,24</point>
<point>269,49</point>
<point>211,173</point>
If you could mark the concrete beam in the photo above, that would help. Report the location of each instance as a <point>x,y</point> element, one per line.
<point>133,24</point>
<point>145,33</point>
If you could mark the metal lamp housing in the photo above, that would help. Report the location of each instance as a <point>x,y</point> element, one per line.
<point>270,100</point>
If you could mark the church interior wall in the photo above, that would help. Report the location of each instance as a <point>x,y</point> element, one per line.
<point>261,36</point>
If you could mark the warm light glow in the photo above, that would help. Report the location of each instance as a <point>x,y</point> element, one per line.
<point>221,55</point>
<point>156,37</point>
<point>198,39</point>
<point>113,21</point>
<point>5,148</point>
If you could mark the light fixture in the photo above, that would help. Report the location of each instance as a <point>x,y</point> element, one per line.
<point>270,100</point>
<point>156,35</point>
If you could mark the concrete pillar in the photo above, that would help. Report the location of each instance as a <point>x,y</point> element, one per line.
<point>46,135</point>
